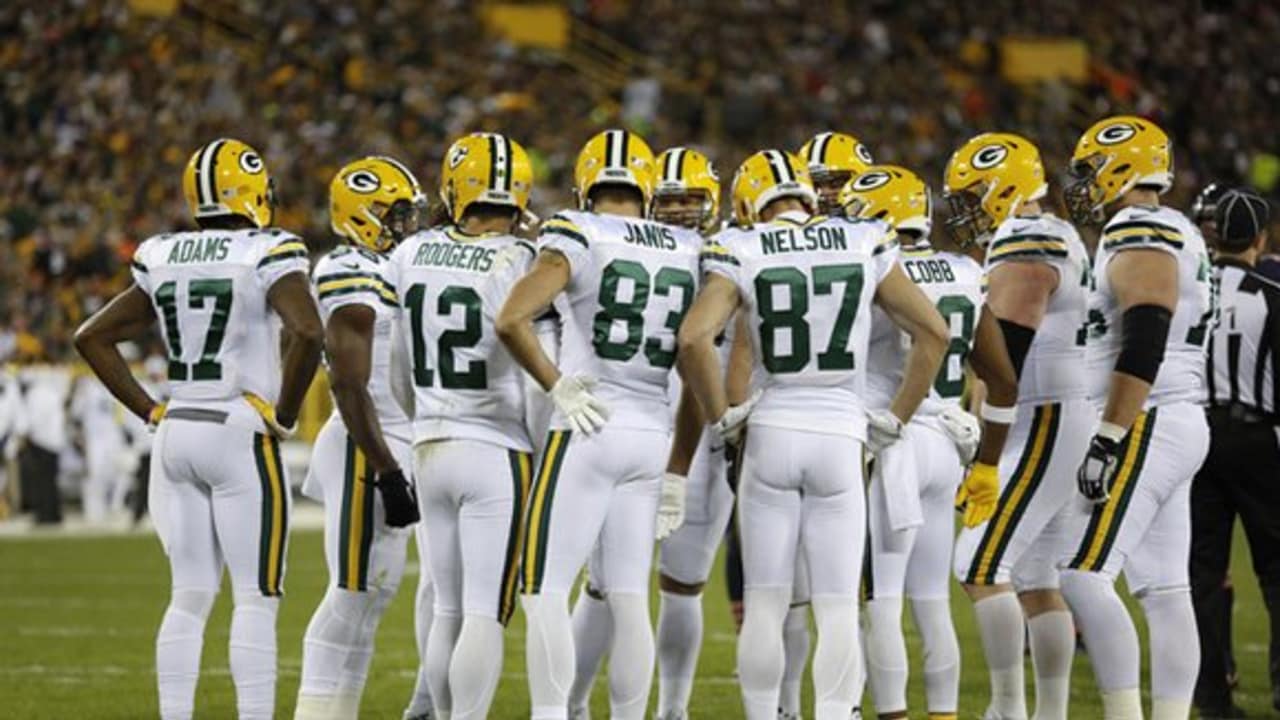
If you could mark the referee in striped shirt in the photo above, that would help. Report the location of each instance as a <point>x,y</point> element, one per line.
<point>1241,475</point>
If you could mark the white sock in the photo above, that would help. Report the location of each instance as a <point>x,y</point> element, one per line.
<point>440,649</point>
<point>795,638</point>
<point>761,655</point>
<point>475,668</point>
<point>592,636</point>
<point>835,660</point>
<point>679,642</point>
<point>253,654</point>
<point>423,608</point>
<point>1175,652</point>
<point>886,654</point>
<point>1123,704</point>
<point>356,670</point>
<point>630,656</point>
<point>1108,631</point>
<point>331,638</point>
<point>548,654</point>
<point>941,654</point>
<point>178,646</point>
<point>1053,646</point>
<point>1000,624</point>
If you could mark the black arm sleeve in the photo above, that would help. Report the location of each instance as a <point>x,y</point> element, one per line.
<point>1145,332</point>
<point>1017,338</point>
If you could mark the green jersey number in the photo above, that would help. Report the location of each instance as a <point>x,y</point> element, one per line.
<point>200,293</point>
<point>613,309</point>
<point>960,315</point>
<point>793,318</point>
<point>474,377</point>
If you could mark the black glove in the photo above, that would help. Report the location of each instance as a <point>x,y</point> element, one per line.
<point>398,498</point>
<point>1098,469</point>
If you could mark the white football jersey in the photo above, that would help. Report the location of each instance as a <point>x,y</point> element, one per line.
<point>954,283</point>
<point>451,286</point>
<point>1054,369</point>
<point>209,289</point>
<point>355,276</point>
<point>631,282</point>
<point>1182,374</point>
<point>807,284</point>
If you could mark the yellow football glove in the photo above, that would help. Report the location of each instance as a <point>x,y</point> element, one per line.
<point>156,415</point>
<point>978,494</point>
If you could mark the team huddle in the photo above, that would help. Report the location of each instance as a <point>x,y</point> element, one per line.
<point>539,398</point>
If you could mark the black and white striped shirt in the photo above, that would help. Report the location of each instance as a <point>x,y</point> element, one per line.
<point>1245,344</point>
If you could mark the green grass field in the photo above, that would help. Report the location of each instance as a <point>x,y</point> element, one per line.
<point>78,618</point>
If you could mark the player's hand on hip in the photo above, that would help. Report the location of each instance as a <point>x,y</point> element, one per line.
<point>670,505</point>
<point>584,411</point>
<point>733,422</point>
<point>978,494</point>
<point>883,429</point>
<point>964,429</point>
<point>1098,469</point>
<point>398,498</point>
<point>271,418</point>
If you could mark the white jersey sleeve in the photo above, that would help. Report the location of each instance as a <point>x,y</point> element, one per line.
<point>1182,373</point>
<point>1054,369</point>
<point>564,233</point>
<point>282,253</point>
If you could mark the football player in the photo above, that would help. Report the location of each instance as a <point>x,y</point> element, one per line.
<point>622,284</point>
<point>219,490</point>
<point>807,284</point>
<point>364,446</point>
<point>1038,275</point>
<point>833,158</point>
<point>1149,316</point>
<point>914,481</point>
<point>471,443</point>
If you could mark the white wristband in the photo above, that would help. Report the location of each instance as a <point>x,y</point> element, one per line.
<point>1112,431</point>
<point>997,414</point>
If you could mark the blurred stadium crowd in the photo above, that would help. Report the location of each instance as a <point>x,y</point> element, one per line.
<point>102,104</point>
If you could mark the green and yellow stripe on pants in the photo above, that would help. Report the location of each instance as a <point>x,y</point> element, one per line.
<point>274,523</point>
<point>1106,519</point>
<point>1017,495</point>
<point>355,535</point>
<point>521,480</point>
<point>538,525</point>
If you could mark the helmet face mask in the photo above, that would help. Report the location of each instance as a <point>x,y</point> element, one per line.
<point>400,220</point>
<point>827,185</point>
<point>967,222</point>
<point>1083,196</point>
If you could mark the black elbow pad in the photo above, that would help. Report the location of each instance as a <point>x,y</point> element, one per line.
<point>1145,331</point>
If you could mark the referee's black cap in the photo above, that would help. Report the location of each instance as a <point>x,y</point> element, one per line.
<point>1241,215</point>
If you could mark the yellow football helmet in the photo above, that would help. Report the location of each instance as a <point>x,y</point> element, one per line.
<point>227,177</point>
<point>766,176</point>
<point>374,202</point>
<point>485,168</point>
<point>688,190</point>
<point>614,157</point>
<point>987,179</point>
<point>893,194</point>
<point>1112,157</point>
<point>833,158</point>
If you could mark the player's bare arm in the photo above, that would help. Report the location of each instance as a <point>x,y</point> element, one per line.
<point>528,299</point>
<point>127,316</point>
<point>910,309</point>
<point>990,362</point>
<point>737,382</point>
<point>291,298</point>
<point>348,341</point>
<point>1146,283</point>
<point>697,362</point>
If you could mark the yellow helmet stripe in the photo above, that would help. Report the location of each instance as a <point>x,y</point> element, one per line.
<point>779,167</point>
<point>206,185</point>
<point>818,151</point>
<point>615,148</point>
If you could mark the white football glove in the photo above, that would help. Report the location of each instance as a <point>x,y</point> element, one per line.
<point>883,429</point>
<point>584,411</point>
<point>964,429</point>
<point>734,420</point>
<point>267,412</point>
<point>670,505</point>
